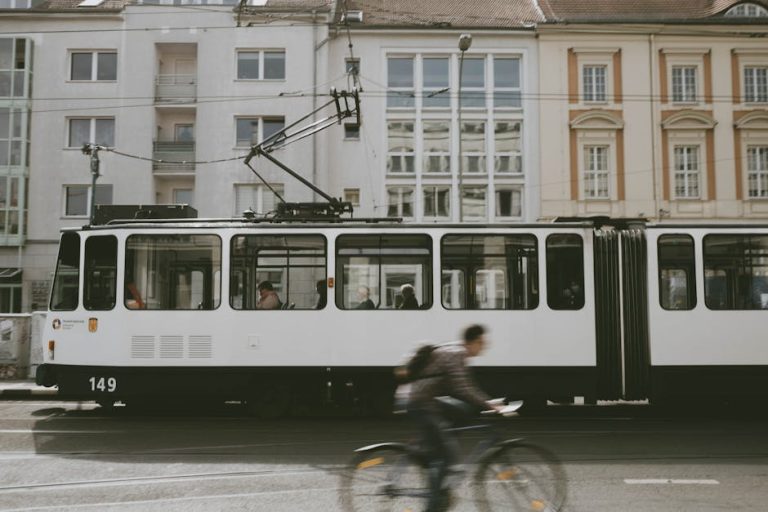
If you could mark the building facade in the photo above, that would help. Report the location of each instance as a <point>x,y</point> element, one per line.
<point>554,110</point>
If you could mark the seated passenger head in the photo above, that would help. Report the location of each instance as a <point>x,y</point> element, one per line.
<point>474,339</point>
<point>363,292</point>
<point>407,290</point>
<point>265,285</point>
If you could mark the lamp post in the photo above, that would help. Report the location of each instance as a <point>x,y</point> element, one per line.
<point>465,41</point>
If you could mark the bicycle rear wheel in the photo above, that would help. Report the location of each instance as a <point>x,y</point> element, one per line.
<point>520,477</point>
<point>384,479</point>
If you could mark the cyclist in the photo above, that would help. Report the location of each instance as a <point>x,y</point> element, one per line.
<point>445,374</point>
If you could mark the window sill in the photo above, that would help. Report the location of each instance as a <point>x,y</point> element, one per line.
<point>260,80</point>
<point>91,81</point>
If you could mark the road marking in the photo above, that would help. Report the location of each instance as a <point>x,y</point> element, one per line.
<point>666,481</point>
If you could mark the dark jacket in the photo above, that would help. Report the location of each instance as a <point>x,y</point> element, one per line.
<point>450,377</point>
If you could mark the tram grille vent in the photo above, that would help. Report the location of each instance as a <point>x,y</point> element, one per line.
<point>142,347</point>
<point>171,347</point>
<point>200,347</point>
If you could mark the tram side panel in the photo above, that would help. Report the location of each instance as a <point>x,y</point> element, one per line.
<point>708,315</point>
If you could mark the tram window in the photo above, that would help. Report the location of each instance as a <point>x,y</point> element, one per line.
<point>379,271</point>
<point>565,271</point>
<point>736,271</point>
<point>66,284</point>
<point>172,272</point>
<point>489,272</point>
<point>677,272</point>
<point>292,264</point>
<point>100,273</point>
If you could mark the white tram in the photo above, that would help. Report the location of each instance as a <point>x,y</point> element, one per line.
<point>170,309</point>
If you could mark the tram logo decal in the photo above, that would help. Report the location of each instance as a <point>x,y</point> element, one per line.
<point>56,323</point>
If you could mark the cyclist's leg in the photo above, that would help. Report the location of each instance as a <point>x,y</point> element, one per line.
<point>434,441</point>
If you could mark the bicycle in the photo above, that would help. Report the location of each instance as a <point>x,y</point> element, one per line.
<point>510,475</point>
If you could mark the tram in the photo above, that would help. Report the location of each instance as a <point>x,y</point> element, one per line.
<point>625,309</point>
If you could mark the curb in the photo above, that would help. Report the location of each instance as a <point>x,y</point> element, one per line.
<point>28,394</point>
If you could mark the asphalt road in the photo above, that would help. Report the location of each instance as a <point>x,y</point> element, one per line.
<point>75,457</point>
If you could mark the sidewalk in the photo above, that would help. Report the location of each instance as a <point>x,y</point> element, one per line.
<point>25,390</point>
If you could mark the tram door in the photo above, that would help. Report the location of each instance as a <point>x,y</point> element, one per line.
<point>621,304</point>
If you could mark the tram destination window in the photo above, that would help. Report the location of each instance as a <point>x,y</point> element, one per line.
<point>736,272</point>
<point>100,273</point>
<point>172,272</point>
<point>391,271</point>
<point>677,272</point>
<point>489,272</point>
<point>565,272</point>
<point>293,265</point>
<point>66,284</point>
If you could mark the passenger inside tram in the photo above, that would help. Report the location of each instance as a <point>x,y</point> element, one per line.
<point>363,296</point>
<point>268,298</point>
<point>408,297</point>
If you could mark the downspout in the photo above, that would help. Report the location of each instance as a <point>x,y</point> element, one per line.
<point>651,103</point>
<point>315,49</point>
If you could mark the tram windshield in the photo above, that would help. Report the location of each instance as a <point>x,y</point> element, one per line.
<point>66,284</point>
<point>384,271</point>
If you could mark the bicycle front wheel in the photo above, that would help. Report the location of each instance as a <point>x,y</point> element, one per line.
<point>520,477</point>
<point>384,479</point>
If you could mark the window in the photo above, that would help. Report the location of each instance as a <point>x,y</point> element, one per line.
<point>256,198</point>
<point>437,146</point>
<point>93,66</point>
<point>352,195</point>
<point>172,272</point>
<point>594,83</point>
<point>379,271</point>
<point>473,83</point>
<point>351,131</point>
<point>184,133</point>
<point>96,130</point>
<point>77,199</point>
<point>509,202</point>
<point>401,149</point>
<point>66,283</point>
<point>596,172</point>
<point>253,130</point>
<point>757,171</point>
<point>677,272</point>
<point>687,172</point>
<point>565,271</point>
<point>400,82</point>
<point>261,64</point>
<point>15,4</point>
<point>473,147</point>
<point>293,264</point>
<point>684,84</point>
<point>100,286</point>
<point>506,82</point>
<point>474,203</point>
<point>435,91</point>
<point>747,11</point>
<point>489,272</point>
<point>437,202</point>
<point>400,202</point>
<point>183,195</point>
<point>14,67</point>
<point>508,155</point>
<point>756,84</point>
<point>10,206</point>
<point>736,271</point>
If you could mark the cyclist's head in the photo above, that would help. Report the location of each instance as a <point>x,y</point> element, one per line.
<point>474,339</point>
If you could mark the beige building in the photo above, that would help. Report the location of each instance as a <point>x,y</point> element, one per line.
<point>654,109</point>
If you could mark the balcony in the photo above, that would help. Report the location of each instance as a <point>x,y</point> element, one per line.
<point>178,158</point>
<point>176,89</point>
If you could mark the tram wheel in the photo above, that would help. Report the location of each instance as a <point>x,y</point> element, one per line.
<point>270,400</point>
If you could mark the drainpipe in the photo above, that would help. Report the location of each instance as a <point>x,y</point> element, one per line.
<point>315,49</point>
<point>651,103</point>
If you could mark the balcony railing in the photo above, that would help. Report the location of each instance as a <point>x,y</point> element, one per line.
<point>176,88</point>
<point>177,157</point>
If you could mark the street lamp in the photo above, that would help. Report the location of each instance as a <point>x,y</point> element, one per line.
<point>465,41</point>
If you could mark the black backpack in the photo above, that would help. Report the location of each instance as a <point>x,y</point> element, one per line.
<point>412,370</point>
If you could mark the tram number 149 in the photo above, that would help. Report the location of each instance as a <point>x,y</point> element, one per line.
<point>105,384</point>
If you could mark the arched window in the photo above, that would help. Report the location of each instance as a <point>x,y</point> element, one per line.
<point>747,10</point>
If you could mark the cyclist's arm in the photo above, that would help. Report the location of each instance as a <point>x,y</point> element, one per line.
<point>463,386</point>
